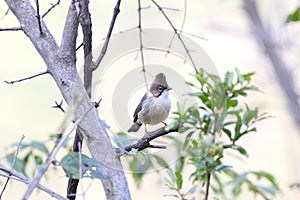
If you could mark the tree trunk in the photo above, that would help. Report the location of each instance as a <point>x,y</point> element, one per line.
<point>61,64</point>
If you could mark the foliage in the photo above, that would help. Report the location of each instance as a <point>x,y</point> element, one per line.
<point>215,126</point>
<point>212,127</point>
<point>294,16</point>
<point>31,154</point>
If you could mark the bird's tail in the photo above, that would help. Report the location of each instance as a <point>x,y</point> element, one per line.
<point>135,127</point>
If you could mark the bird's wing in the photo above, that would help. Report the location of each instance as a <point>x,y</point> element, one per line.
<point>139,108</point>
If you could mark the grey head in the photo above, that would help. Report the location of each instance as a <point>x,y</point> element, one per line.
<point>159,85</point>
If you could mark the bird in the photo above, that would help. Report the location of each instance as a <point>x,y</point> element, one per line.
<point>154,106</point>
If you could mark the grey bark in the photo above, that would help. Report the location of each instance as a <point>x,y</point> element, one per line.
<point>269,45</point>
<point>61,64</point>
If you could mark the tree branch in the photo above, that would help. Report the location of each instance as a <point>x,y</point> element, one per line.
<point>144,142</point>
<point>38,16</point>
<point>20,177</point>
<point>112,24</point>
<point>177,34</point>
<point>141,43</point>
<point>12,165</point>
<point>11,29</point>
<point>269,45</point>
<point>86,24</point>
<point>26,78</point>
<point>43,168</point>
<point>61,64</point>
<point>52,7</point>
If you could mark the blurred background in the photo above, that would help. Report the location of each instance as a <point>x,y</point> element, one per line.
<point>229,42</point>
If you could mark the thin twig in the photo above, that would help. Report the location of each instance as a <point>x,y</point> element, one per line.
<point>52,6</point>
<point>12,165</point>
<point>5,14</point>
<point>43,168</point>
<point>141,43</point>
<point>11,29</point>
<point>193,35</point>
<point>177,34</point>
<point>182,25</point>
<point>38,16</point>
<point>86,25</point>
<point>124,31</point>
<point>80,169</point>
<point>112,24</point>
<point>59,106</point>
<point>27,78</point>
<point>79,46</point>
<point>20,177</point>
<point>184,16</point>
<point>208,174</point>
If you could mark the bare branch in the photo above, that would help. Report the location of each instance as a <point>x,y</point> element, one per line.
<point>144,142</point>
<point>80,168</point>
<point>38,16</point>
<point>43,168</point>
<point>177,34</point>
<point>59,105</point>
<point>269,46</point>
<point>81,45</point>
<point>112,24</point>
<point>172,9</point>
<point>61,64</point>
<point>12,165</point>
<point>141,43</point>
<point>26,78</point>
<point>20,177</point>
<point>68,42</point>
<point>208,175</point>
<point>52,6</point>
<point>11,29</point>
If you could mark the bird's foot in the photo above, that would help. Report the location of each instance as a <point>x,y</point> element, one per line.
<point>164,123</point>
<point>147,134</point>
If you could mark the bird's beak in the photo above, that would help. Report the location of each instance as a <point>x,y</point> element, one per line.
<point>169,88</point>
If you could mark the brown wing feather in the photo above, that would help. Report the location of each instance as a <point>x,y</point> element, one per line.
<point>138,108</point>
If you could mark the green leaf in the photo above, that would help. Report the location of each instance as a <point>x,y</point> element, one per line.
<point>293,17</point>
<point>161,161</point>
<point>190,84</point>
<point>238,183</point>
<point>171,175</point>
<point>231,103</point>
<point>200,78</point>
<point>249,115</point>
<point>269,177</point>
<point>247,77</point>
<point>19,163</point>
<point>40,146</point>
<point>187,140</point>
<point>242,151</point>
<point>179,164</point>
<point>240,77</point>
<point>70,164</point>
<point>137,177</point>
<point>228,79</point>
<point>237,129</point>
<point>227,132</point>
<point>38,160</point>
<point>178,180</point>
<point>222,167</point>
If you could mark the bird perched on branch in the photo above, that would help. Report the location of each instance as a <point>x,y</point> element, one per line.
<point>155,105</point>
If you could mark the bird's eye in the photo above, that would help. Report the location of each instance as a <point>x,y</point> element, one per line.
<point>160,88</point>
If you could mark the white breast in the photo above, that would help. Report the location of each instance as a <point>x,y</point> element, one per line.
<point>160,108</point>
